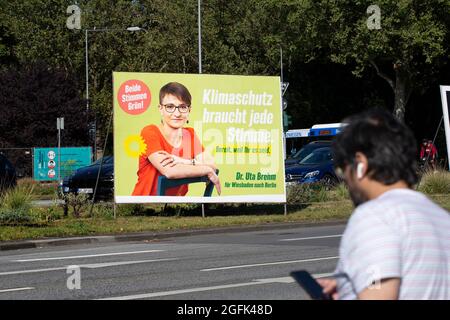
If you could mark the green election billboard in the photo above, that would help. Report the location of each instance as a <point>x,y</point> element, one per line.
<point>197,138</point>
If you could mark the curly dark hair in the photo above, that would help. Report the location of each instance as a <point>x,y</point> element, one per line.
<point>388,144</point>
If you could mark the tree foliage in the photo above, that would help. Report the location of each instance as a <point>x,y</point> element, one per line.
<point>407,51</point>
<point>31,99</point>
<point>7,43</point>
<point>323,42</point>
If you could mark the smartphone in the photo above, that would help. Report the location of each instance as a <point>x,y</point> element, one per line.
<point>310,285</point>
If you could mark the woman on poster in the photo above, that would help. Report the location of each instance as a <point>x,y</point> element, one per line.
<point>173,150</point>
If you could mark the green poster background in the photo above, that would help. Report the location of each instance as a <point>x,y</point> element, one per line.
<point>247,167</point>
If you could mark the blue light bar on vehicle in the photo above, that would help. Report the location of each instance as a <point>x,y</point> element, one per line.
<point>330,129</point>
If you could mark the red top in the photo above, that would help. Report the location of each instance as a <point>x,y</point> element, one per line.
<point>147,183</point>
<point>429,151</point>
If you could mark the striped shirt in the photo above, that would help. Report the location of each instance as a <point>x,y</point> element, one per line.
<point>401,234</point>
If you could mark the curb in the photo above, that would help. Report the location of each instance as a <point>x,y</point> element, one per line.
<point>152,236</point>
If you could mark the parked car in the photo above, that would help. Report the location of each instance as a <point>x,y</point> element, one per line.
<point>316,166</point>
<point>8,176</point>
<point>306,150</point>
<point>83,180</point>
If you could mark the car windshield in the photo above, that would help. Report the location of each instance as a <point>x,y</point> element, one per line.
<point>317,156</point>
<point>306,150</point>
<point>303,152</point>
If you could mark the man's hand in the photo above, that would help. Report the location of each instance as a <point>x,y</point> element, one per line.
<point>329,286</point>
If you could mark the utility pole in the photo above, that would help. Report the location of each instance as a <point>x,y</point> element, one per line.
<point>59,126</point>
<point>199,37</point>
<point>199,5</point>
<point>281,63</point>
<point>284,86</point>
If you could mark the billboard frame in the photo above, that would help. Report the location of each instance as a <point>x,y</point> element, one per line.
<point>445,91</point>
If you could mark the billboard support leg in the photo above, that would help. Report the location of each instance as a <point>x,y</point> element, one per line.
<point>114,209</point>
<point>203,210</point>
<point>285,209</point>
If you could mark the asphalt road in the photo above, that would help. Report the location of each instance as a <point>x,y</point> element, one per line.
<point>227,266</point>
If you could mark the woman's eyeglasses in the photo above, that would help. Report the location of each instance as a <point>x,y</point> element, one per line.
<point>170,108</point>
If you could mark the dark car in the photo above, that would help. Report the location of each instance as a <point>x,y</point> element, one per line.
<point>83,180</point>
<point>306,150</point>
<point>8,177</point>
<point>316,166</point>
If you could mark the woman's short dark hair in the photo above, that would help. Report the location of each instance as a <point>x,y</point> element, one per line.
<point>388,144</point>
<point>176,89</point>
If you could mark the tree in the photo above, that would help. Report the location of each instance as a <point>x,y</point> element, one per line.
<point>31,99</point>
<point>406,52</point>
<point>240,37</point>
<point>7,43</point>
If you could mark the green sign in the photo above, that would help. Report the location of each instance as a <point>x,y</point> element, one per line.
<point>46,164</point>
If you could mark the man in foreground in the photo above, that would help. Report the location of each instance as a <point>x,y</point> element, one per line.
<point>397,242</point>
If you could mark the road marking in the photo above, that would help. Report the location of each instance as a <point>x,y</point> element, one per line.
<point>113,264</point>
<point>269,264</point>
<point>175,292</point>
<point>16,289</point>
<point>291,279</point>
<point>200,289</point>
<point>311,238</point>
<point>89,256</point>
<point>277,280</point>
<point>31,271</point>
<point>87,266</point>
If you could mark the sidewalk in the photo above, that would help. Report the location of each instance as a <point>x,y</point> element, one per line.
<point>152,236</point>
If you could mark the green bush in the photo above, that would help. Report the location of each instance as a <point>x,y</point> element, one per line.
<point>298,193</point>
<point>48,214</point>
<point>14,217</point>
<point>435,182</point>
<point>16,206</point>
<point>315,192</point>
<point>339,192</point>
<point>18,198</point>
<point>322,194</point>
<point>79,203</point>
<point>127,210</point>
<point>306,192</point>
<point>103,211</point>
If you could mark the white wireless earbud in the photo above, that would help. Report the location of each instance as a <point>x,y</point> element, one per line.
<point>359,170</point>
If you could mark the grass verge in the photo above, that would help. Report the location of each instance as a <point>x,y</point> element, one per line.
<point>315,212</point>
<point>307,204</point>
